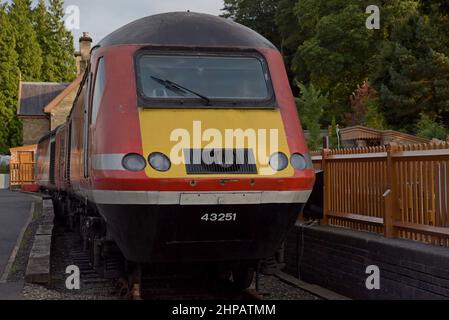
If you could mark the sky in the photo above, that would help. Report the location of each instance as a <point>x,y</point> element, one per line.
<point>101,17</point>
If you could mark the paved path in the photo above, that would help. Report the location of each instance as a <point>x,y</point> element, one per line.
<point>14,213</point>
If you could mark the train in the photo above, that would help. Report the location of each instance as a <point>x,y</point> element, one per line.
<point>183,145</point>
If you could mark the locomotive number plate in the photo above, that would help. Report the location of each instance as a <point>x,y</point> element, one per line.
<point>219,217</point>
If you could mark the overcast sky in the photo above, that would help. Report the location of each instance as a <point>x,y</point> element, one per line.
<point>101,17</point>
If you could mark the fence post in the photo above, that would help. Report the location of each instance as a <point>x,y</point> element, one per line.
<point>326,185</point>
<point>390,195</point>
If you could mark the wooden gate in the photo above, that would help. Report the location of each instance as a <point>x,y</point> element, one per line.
<point>22,168</point>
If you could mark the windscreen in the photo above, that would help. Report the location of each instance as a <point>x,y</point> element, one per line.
<point>202,76</point>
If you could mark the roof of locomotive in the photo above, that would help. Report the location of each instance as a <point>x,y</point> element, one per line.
<point>186,29</point>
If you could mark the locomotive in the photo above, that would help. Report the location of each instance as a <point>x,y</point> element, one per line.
<point>164,153</point>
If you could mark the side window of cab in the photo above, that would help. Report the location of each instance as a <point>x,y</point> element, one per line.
<point>98,89</point>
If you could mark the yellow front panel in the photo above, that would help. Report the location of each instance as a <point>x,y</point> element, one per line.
<point>160,126</point>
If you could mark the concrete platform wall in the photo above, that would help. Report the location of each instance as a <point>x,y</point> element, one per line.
<point>337,259</point>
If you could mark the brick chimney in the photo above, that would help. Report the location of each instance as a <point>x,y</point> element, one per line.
<point>83,55</point>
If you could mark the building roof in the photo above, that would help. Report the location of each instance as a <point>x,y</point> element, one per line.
<point>186,29</point>
<point>31,147</point>
<point>54,103</point>
<point>364,133</point>
<point>34,96</point>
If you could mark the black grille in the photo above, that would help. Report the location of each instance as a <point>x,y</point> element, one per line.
<point>215,161</point>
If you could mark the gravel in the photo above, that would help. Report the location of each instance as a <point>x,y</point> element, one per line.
<point>271,288</point>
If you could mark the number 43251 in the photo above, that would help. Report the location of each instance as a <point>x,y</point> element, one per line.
<point>219,217</point>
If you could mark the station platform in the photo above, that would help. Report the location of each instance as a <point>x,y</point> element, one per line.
<point>15,212</point>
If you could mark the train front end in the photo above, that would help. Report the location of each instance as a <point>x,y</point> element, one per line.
<point>197,150</point>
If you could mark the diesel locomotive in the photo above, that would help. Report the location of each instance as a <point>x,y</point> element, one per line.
<point>183,145</point>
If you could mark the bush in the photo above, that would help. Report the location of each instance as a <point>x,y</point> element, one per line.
<point>374,119</point>
<point>310,106</point>
<point>4,168</point>
<point>429,128</point>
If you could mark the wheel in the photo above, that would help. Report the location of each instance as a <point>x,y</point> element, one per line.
<point>242,277</point>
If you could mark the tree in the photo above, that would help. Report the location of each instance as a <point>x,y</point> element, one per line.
<point>61,44</point>
<point>10,127</point>
<point>430,6</point>
<point>41,22</point>
<point>359,100</point>
<point>411,68</point>
<point>55,41</point>
<point>333,134</point>
<point>26,45</point>
<point>258,15</point>
<point>311,105</point>
<point>335,49</point>
<point>430,128</point>
<point>374,119</point>
<point>411,81</point>
<point>4,120</point>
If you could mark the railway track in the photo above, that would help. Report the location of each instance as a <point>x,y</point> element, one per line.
<point>68,249</point>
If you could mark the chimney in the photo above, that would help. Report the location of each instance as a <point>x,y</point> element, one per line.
<point>83,55</point>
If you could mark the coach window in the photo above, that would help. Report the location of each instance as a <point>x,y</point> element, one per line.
<point>86,124</point>
<point>100,83</point>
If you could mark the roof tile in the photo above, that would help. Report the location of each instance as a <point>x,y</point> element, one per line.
<point>36,95</point>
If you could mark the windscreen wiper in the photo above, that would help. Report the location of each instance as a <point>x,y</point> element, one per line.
<point>175,87</point>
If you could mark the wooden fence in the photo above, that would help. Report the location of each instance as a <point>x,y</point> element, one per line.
<point>21,173</point>
<point>398,191</point>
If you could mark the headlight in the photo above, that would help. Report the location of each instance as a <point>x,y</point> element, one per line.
<point>159,161</point>
<point>134,162</point>
<point>301,162</point>
<point>278,161</point>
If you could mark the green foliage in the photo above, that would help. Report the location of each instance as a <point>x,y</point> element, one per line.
<point>429,128</point>
<point>258,15</point>
<point>27,47</point>
<point>4,132</point>
<point>61,44</point>
<point>325,42</point>
<point>411,74</point>
<point>333,137</point>
<point>374,119</point>
<point>4,168</point>
<point>41,22</point>
<point>311,105</point>
<point>9,83</point>
<point>334,50</point>
<point>35,46</point>
<point>55,41</point>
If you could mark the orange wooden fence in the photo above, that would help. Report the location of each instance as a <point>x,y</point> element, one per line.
<point>21,173</point>
<point>398,191</point>
<point>22,165</point>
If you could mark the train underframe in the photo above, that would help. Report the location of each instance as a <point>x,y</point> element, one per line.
<point>175,239</point>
